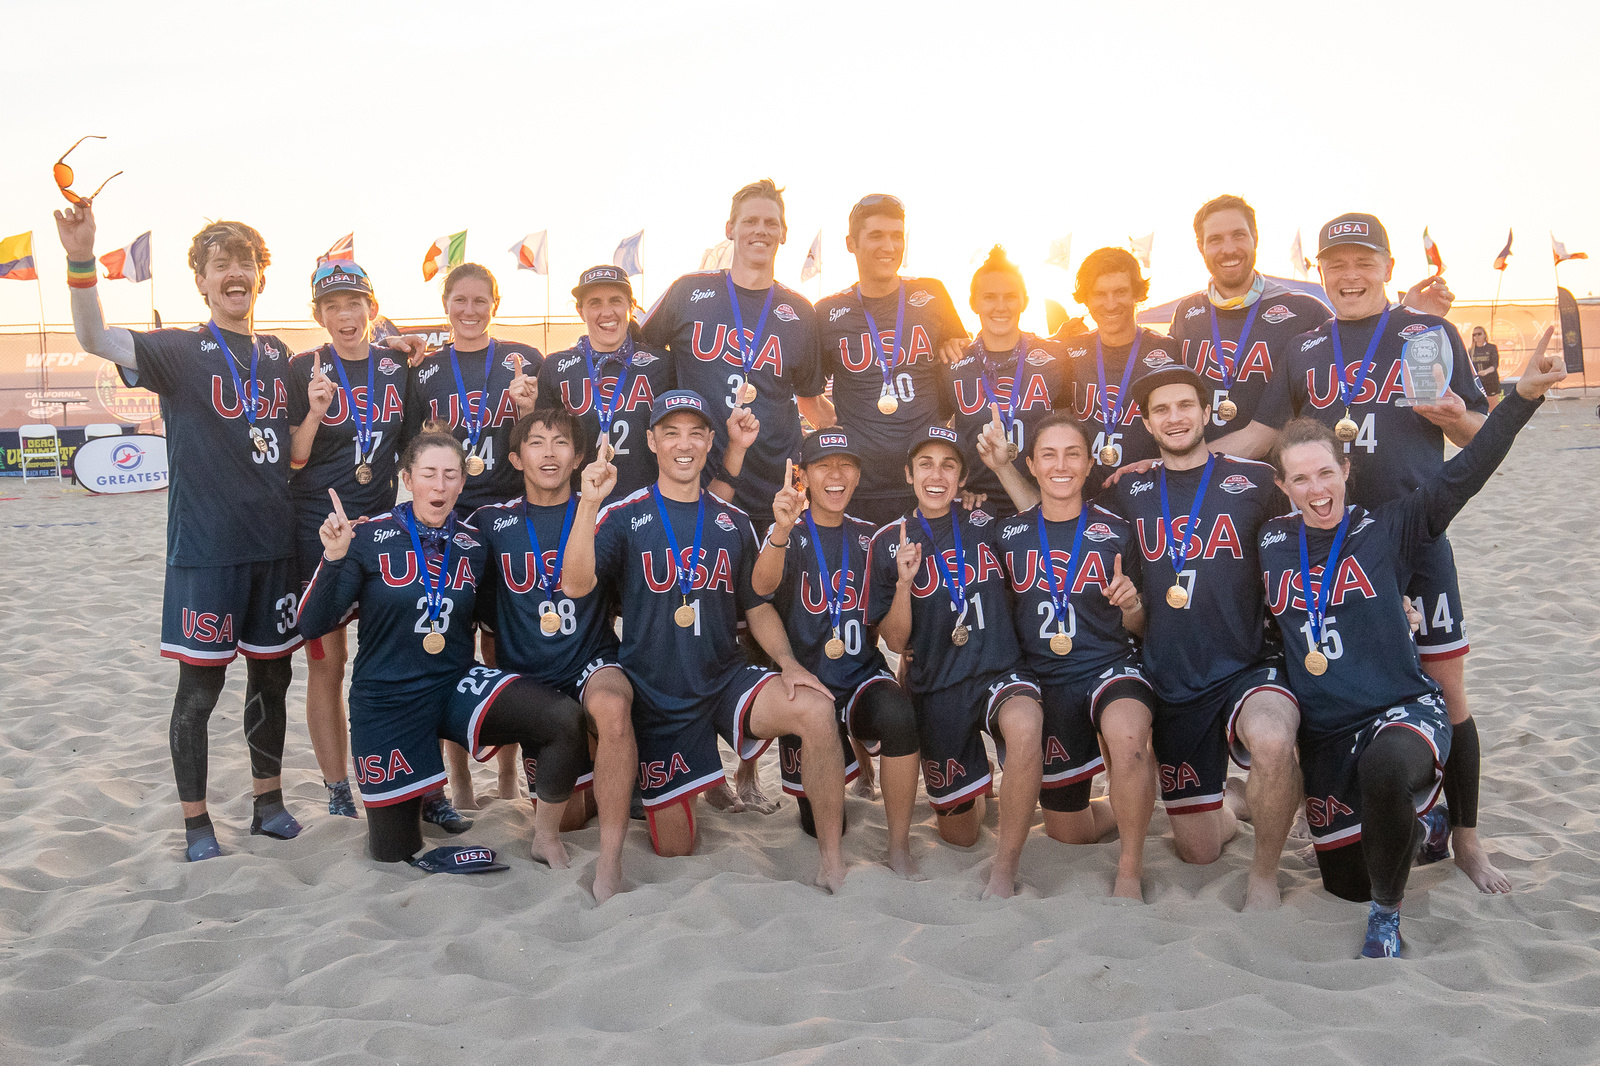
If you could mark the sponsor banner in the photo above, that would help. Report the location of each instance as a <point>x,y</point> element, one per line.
<point>130,463</point>
<point>40,461</point>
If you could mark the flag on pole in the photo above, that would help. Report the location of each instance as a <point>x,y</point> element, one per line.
<point>628,255</point>
<point>1297,256</point>
<point>718,257</point>
<point>344,248</point>
<point>1431,250</point>
<point>16,258</point>
<point>1505,253</point>
<point>533,252</point>
<point>131,263</point>
<point>1140,246</point>
<point>813,264</point>
<point>1559,250</point>
<point>444,253</point>
<point>1060,253</point>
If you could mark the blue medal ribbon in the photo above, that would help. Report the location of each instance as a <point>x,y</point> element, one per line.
<point>548,584</point>
<point>835,596</point>
<point>1111,414</point>
<point>1317,605</point>
<point>955,584</point>
<point>434,588</point>
<point>1348,393</point>
<point>747,352</point>
<point>1238,349</point>
<point>1059,599</point>
<point>473,421</point>
<point>991,389</point>
<point>246,402</point>
<point>363,425</point>
<point>1177,555</point>
<point>606,412</point>
<point>685,576</point>
<point>892,360</point>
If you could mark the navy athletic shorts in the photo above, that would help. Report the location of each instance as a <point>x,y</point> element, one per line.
<point>843,702</point>
<point>1072,720</point>
<point>1193,740</point>
<point>1436,594</point>
<point>950,726</point>
<point>679,760</point>
<point>210,614</point>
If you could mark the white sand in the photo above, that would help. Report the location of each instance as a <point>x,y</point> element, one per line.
<point>114,951</point>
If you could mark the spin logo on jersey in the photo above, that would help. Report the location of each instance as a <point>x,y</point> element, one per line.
<point>363,424</point>
<point>684,616</point>
<point>549,583</point>
<point>472,417</point>
<point>433,585</point>
<point>1111,412</point>
<point>748,349</point>
<point>888,403</point>
<point>833,590</point>
<point>991,390</point>
<point>1178,547</point>
<point>1061,598</point>
<point>606,411</point>
<point>1317,604</point>
<point>248,403</point>
<point>1226,408</point>
<point>1346,429</point>
<point>955,583</point>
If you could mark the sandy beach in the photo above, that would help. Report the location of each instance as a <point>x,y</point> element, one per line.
<point>114,951</point>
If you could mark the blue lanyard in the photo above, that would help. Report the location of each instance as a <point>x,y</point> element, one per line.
<point>892,360</point>
<point>991,390</point>
<point>1239,350</point>
<point>473,422</point>
<point>549,583</point>
<point>1058,598</point>
<point>1347,393</point>
<point>835,596</point>
<point>247,402</point>
<point>434,588</point>
<point>955,584</point>
<point>747,352</point>
<point>1317,605</point>
<point>1111,417</point>
<point>363,425</point>
<point>1180,557</point>
<point>607,413</point>
<point>685,576</point>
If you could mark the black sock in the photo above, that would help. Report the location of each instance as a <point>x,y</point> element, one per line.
<point>197,828</point>
<point>268,804</point>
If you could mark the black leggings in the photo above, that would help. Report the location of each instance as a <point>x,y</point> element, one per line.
<point>1461,774</point>
<point>266,684</point>
<point>548,725</point>
<point>883,715</point>
<point>1395,768</point>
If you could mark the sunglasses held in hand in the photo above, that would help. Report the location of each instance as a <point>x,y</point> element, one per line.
<point>64,174</point>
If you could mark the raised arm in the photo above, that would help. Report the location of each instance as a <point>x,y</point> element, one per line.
<point>787,506</point>
<point>993,452</point>
<point>319,397</point>
<point>75,226</point>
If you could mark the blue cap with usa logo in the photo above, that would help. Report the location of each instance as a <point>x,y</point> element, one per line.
<point>935,435</point>
<point>1353,228</point>
<point>670,403</point>
<point>604,274</point>
<point>825,442</point>
<point>339,275</point>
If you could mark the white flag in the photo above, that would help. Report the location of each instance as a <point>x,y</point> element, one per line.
<point>813,264</point>
<point>1060,252</point>
<point>1297,256</point>
<point>1140,246</point>
<point>629,255</point>
<point>533,252</point>
<point>717,257</point>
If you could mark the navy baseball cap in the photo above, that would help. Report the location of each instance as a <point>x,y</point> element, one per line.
<point>1171,374</point>
<point>605,274</point>
<point>670,403</point>
<point>826,442</point>
<point>936,435</point>
<point>458,860</point>
<point>1354,228</point>
<point>339,275</point>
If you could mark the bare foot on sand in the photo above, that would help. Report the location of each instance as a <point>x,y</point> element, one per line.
<point>722,798</point>
<point>550,851</point>
<point>1002,882</point>
<point>903,864</point>
<point>607,879</point>
<point>830,878</point>
<point>866,783</point>
<point>1233,797</point>
<point>1261,894</point>
<point>1127,887</point>
<point>1474,862</point>
<point>751,798</point>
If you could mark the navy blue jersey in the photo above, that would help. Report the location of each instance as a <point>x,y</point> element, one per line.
<point>1095,626</point>
<point>1372,662</point>
<point>1220,631</point>
<point>802,603</point>
<point>920,379</point>
<point>1284,314</point>
<point>694,321</point>
<point>936,662</point>
<point>512,601</point>
<point>1047,381</point>
<point>435,396</point>
<point>380,574</point>
<point>675,670</point>
<point>564,380</point>
<point>1396,450</point>
<point>336,450</point>
<point>228,502</point>
<point>1132,441</point>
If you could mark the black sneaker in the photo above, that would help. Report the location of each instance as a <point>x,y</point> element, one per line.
<point>438,809</point>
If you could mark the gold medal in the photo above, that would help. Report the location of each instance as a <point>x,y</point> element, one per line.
<point>747,393</point>
<point>834,649</point>
<point>887,404</point>
<point>550,621</point>
<point>1176,597</point>
<point>684,615</point>
<point>960,635</point>
<point>1316,663</point>
<point>1060,643</point>
<point>474,465</point>
<point>433,643</point>
<point>363,474</point>
<point>1108,455</point>
<point>1346,429</point>
<point>259,438</point>
<point>1011,451</point>
<point>1227,409</point>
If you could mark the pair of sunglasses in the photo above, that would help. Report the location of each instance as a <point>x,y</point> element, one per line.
<point>337,266</point>
<point>64,174</point>
<point>875,199</point>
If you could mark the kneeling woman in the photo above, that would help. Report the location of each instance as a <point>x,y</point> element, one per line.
<point>415,573</point>
<point>1374,733</point>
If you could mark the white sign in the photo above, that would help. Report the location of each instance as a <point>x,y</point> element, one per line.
<point>136,463</point>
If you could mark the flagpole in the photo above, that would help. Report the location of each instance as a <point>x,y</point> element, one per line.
<point>1495,304</point>
<point>44,364</point>
<point>547,302</point>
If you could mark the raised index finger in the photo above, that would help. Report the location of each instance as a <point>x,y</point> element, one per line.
<point>338,508</point>
<point>1116,566</point>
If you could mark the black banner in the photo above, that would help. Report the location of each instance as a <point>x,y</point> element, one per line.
<point>1571,331</point>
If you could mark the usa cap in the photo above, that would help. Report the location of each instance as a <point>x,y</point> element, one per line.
<point>1171,374</point>
<point>605,274</point>
<point>935,435</point>
<point>1353,228</point>
<point>670,403</point>
<point>458,860</point>
<point>339,275</point>
<point>825,442</point>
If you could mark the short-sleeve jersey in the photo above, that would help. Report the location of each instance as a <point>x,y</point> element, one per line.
<point>694,322</point>
<point>564,380</point>
<point>676,669</point>
<point>936,662</point>
<point>1220,630</point>
<point>435,396</point>
<point>1396,450</point>
<point>1132,441</point>
<point>229,501</point>
<point>1284,314</point>
<point>380,574</point>
<point>920,379</point>
<point>1373,663</point>
<point>336,449</point>
<point>1095,626</point>
<point>512,601</point>
<point>802,603</point>
<point>1046,382</point>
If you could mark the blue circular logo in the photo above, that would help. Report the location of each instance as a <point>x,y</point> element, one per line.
<point>127,456</point>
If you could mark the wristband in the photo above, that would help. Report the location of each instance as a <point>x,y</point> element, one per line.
<point>81,275</point>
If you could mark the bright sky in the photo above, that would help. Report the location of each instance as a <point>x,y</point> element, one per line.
<point>993,121</point>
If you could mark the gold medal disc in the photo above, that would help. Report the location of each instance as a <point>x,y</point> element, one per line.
<point>747,393</point>
<point>259,439</point>
<point>834,649</point>
<point>1346,429</point>
<point>474,465</point>
<point>1108,455</point>
<point>888,404</point>
<point>433,643</point>
<point>1011,451</point>
<point>960,635</point>
<point>1226,410</point>
<point>549,621</point>
<point>1316,663</point>
<point>1060,643</point>
<point>363,474</point>
<point>1176,597</point>
<point>684,616</point>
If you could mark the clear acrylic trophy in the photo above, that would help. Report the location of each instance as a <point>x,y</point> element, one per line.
<point>1425,365</point>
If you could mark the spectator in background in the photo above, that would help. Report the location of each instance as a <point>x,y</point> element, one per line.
<point>1486,361</point>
